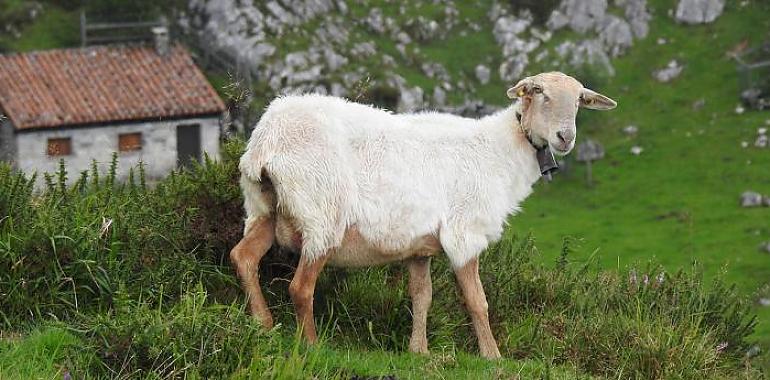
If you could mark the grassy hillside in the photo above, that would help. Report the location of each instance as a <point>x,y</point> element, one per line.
<point>121,280</point>
<point>677,202</point>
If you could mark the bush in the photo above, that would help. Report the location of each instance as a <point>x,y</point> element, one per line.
<point>142,274</point>
<point>70,249</point>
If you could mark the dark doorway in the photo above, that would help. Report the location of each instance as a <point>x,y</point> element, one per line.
<point>188,145</point>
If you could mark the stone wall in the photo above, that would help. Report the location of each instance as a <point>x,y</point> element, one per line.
<point>158,152</point>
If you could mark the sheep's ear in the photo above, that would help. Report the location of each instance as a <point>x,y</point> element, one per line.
<point>520,89</point>
<point>596,101</point>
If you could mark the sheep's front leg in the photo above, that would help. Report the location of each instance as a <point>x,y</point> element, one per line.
<point>246,256</point>
<point>301,290</point>
<point>421,291</point>
<point>476,302</point>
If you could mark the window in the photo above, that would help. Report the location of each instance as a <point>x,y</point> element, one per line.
<point>129,142</point>
<point>60,146</point>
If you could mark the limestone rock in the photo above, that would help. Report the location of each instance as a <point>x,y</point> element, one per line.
<point>668,73</point>
<point>410,99</point>
<point>512,69</point>
<point>586,52</point>
<point>761,141</point>
<point>590,150</point>
<point>699,11</point>
<point>376,21</point>
<point>637,16</point>
<point>581,15</point>
<point>631,130</point>
<point>439,96</point>
<point>363,50</point>
<point>482,74</point>
<point>751,199</point>
<point>616,35</point>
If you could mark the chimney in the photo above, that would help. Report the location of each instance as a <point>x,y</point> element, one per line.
<point>161,38</point>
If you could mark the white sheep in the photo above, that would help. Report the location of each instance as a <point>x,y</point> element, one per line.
<point>351,185</point>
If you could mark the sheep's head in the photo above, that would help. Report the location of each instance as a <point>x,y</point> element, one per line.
<point>549,106</point>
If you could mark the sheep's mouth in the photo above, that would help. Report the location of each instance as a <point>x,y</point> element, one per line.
<point>558,151</point>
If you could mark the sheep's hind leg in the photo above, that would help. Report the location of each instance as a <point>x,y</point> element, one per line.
<point>246,257</point>
<point>301,290</point>
<point>476,302</point>
<point>421,291</point>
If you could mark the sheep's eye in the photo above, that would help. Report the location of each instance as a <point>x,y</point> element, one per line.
<point>537,90</point>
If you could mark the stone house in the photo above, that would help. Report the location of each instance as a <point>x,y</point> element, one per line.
<point>80,105</point>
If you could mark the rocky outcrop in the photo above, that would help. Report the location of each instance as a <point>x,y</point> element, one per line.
<point>604,34</point>
<point>581,15</point>
<point>616,35</point>
<point>698,11</point>
<point>319,46</point>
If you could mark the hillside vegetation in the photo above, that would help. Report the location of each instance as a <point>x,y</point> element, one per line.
<point>109,280</point>
<point>122,280</point>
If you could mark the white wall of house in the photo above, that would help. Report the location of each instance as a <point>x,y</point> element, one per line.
<point>158,151</point>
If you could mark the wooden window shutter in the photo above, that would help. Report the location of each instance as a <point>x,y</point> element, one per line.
<point>129,142</point>
<point>60,146</point>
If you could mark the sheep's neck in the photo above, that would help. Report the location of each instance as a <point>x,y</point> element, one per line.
<point>545,159</point>
<point>512,142</point>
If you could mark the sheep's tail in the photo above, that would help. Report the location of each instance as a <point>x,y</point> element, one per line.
<point>259,198</point>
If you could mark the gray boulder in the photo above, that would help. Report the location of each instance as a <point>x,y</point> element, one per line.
<point>557,20</point>
<point>439,96</point>
<point>581,15</point>
<point>616,35</point>
<point>482,74</point>
<point>637,15</point>
<point>751,199</point>
<point>668,73</point>
<point>471,108</point>
<point>376,21</point>
<point>363,49</point>
<point>333,60</point>
<point>698,11</point>
<point>761,141</point>
<point>590,150</point>
<point>513,67</point>
<point>586,52</point>
<point>410,99</point>
<point>631,130</point>
<point>338,90</point>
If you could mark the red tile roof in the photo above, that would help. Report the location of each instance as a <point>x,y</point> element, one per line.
<point>102,84</point>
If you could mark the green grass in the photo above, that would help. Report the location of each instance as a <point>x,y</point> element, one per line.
<point>39,355</point>
<point>152,295</point>
<point>678,201</point>
<point>54,28</point>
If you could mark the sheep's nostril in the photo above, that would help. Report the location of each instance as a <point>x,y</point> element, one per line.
<point>565,136</point>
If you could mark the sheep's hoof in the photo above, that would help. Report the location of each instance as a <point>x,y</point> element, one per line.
<point>491,354</point>
<point>265,320</point>
<point>419,347</point>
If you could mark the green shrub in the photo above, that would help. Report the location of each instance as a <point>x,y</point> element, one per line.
<point>70,249</point>
<point>118,261</point>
